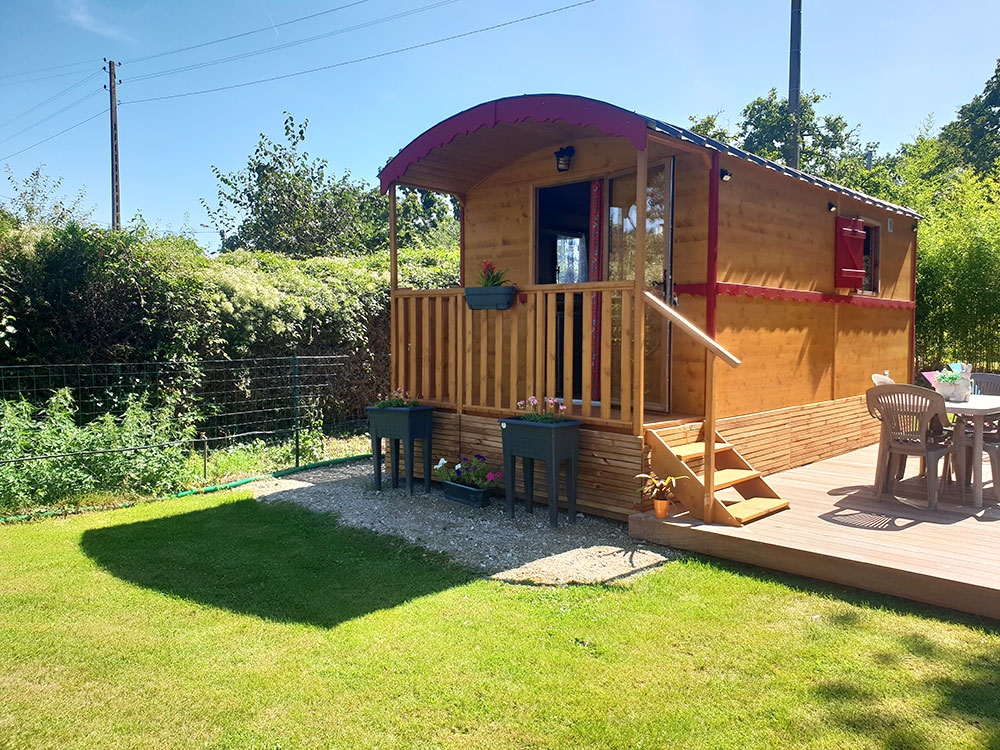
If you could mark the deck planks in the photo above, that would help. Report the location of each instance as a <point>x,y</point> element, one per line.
<point>837,530</point>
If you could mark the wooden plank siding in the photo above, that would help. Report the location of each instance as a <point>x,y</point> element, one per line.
<point>608,463</point>
<point>770,441</point>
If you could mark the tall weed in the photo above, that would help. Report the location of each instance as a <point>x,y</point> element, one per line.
<point>52,430</point>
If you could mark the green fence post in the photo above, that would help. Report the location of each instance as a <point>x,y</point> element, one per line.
<point>295,390</point>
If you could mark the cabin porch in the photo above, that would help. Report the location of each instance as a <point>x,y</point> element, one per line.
<point>837,530</point>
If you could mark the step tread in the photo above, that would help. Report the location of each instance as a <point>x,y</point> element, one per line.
<point>695,450</point>
<point>729,477</point>
<point>755,507</point>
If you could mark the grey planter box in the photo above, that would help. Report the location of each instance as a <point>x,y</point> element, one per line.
<point>406,423</point>
<point>461,493</point>
<point>489,297</point>
<point>551,442</point>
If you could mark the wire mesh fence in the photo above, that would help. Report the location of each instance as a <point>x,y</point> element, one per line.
<point>225,401</point>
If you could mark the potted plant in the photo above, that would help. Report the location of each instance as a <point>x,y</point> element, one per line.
<point>491,294</point>
<point>468,481</point>
<point>660,490</point>
<point>397,417</point>
<point>542,432</point>
<point>954,384</point>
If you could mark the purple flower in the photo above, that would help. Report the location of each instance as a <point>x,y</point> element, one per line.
<point>480,458</point>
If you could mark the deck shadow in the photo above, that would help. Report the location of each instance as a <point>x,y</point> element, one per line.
<point>276,561</point>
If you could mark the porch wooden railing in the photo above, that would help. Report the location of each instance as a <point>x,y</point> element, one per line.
<point>574,340</point>
<point>712,351</point>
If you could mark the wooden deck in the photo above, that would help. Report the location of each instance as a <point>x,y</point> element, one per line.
<point>837,530</point>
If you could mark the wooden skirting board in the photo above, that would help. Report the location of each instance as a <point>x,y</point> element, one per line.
<point>770,441</point>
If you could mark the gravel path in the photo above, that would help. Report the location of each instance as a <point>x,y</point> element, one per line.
<point>525,550</point>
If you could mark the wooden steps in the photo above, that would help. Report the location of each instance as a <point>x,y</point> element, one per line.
<point>752,497</point>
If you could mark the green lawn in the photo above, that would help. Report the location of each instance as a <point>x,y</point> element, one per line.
<point>215,621</point>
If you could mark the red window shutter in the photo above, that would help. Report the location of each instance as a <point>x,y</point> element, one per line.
<point>850,254</point>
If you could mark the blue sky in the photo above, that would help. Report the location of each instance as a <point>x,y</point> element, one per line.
<point>885,66</point>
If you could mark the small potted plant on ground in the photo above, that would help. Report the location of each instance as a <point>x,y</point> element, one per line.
<point>468,481</point>
<point>397,417</point>
<point>660,490</point>
<point>491,294</point>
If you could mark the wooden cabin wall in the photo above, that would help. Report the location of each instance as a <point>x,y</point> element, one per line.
<point>778,232</point>
<point>606,483</point>
<point>499,213</point>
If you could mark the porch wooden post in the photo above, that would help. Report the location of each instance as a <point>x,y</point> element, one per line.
<point>709,435</point>
<point>393,274</point>
<point>639,357</point>
<point>395,350</point>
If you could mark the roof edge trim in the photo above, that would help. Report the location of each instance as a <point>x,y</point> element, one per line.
<point>575,110</point>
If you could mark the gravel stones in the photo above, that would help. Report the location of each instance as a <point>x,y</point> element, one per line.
<point>523,550</point>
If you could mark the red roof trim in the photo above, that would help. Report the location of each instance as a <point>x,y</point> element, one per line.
<point>796,295</point>
<point>575,110</point>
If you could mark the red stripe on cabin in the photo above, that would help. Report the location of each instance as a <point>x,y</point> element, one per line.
<point>795,295</point>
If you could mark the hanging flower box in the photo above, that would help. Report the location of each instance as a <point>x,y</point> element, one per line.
<point>489,297</point>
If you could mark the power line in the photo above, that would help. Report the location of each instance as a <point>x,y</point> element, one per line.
<point>43,78</point>
<point>54,114</point>
<point>56,135</point>
<point>46,70</point>
<point>364,59</point>
<point>54,96</point>
<point>245,33</point>
<point>286,45</point>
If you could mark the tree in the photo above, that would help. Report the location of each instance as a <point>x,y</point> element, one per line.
<point>36,200</point>
<point>709,126</point>
<point>283,201</point>
<point>828,146</point>
<point>973,138</point>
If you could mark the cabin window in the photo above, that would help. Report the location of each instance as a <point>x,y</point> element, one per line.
<point>563,227</point>
<point>621,225</point>
<point>872,257</point>
<point>849,257</point>
<point>858,254</point>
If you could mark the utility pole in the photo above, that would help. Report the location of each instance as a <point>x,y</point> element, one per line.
<point>794,67</point>
<point>116,200</point>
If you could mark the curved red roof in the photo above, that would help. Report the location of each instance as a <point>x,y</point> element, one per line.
<point>568,116</point>
<point>458,153</point>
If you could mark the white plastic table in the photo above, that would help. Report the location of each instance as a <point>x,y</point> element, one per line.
<point>978,407</point>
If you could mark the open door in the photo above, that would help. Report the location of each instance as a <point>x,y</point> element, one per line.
<point>563,233</point>
<point>659,264</point>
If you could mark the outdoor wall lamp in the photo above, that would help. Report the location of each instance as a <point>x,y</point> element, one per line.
<point>563,157</point>
<point>832,207</point>
<point>725,175</point>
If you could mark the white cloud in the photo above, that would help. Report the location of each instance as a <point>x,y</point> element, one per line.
<point>80,13</point>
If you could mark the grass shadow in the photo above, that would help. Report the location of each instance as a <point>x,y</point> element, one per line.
<point>272,560</point>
